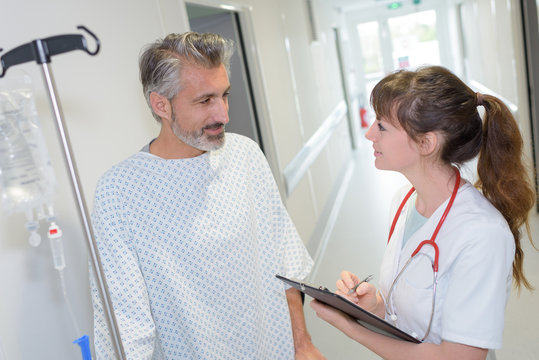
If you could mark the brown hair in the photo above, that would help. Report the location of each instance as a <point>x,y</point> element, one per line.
<point>434,99</point>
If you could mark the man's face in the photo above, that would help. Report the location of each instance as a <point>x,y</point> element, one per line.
<point>200,109</point>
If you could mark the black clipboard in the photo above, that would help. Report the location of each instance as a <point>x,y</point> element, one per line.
<point>364,317</point>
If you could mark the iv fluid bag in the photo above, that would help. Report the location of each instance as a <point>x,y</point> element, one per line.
<point>27,179</point>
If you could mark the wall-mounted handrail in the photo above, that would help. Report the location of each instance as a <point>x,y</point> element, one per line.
<point>303,160</point>
<point>477,86</point>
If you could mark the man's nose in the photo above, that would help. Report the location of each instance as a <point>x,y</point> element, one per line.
<point>221,111</point>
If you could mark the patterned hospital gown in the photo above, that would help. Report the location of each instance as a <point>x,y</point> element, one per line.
<point>190,249</point>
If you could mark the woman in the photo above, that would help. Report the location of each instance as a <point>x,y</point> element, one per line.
<point>453,249</point>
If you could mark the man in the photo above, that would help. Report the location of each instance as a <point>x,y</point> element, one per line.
<point>191,230</point>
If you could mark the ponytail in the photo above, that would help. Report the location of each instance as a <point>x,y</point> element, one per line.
<point>503,176</point>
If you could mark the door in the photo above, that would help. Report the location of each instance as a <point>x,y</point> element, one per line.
<point>242,109</point>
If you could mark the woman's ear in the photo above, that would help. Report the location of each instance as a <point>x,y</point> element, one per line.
<point>160,105</point>
<point>428,143</point>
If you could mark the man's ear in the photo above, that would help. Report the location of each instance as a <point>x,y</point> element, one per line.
<point>160,105</point>
<point>428,143</point>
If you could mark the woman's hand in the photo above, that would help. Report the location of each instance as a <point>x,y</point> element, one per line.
<point>390,348</point>
<point>333,316</point>
<point>364,296</point>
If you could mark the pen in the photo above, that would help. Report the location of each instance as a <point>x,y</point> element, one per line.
<point>367,279</point>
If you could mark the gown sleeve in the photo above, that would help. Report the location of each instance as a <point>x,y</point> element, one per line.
<point>296,261</point>
<point>126,285</point>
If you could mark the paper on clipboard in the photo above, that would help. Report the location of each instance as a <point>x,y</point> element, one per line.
<point>364,317</point>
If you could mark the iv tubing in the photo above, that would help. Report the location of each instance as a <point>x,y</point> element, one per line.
<point>57,250</point>
<point>83,213</point>
<point>68,303</point>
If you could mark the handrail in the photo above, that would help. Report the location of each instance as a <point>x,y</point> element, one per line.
<point>477,86</point>
<point>303,160</point>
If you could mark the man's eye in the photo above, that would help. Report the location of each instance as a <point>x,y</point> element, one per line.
<point>205,101</point>
<point>381,127</point>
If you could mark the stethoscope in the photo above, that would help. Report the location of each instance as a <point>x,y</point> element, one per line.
<point>430,242</point>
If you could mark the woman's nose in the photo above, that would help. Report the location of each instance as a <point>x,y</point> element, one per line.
<point>370,134</point>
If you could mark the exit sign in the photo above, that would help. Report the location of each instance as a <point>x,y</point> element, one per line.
<point>394,5</point>
<point>398,4</point>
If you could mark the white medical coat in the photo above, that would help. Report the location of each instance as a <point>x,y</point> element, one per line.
<point>474,277</point>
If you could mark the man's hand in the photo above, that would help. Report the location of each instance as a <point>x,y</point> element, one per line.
<point>309,352</point>
<point>305,350</point>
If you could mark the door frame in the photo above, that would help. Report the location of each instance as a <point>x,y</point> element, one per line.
<point>530,24</point>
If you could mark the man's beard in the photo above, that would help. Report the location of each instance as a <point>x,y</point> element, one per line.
<point>198,139</point>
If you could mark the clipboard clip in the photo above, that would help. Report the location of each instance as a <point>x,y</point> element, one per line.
<point>302,286</point>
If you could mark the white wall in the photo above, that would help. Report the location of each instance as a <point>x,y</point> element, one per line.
<point>494,27</point>
<point>107,120</point>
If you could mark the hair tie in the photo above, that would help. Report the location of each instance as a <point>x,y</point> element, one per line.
<point>479,99</point>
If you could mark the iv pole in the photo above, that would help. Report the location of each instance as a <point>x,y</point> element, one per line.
<point>40,51</point>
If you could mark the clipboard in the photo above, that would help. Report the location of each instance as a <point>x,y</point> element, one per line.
<point>364,317</point>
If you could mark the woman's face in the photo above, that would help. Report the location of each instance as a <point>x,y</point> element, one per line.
<point>393,148</point>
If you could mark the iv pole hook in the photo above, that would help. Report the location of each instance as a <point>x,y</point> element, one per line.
<point>97,42</point>
<point>42,50</point>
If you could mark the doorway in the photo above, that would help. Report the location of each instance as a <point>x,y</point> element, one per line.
<point>392,40</point>
<point>242,111</point>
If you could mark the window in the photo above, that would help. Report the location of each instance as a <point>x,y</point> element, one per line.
<point>414,40</point>
<point>373,63</point>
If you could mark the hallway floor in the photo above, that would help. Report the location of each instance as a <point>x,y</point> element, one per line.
<point>357,244</point>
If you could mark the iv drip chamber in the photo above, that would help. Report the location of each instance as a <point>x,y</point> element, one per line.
<point>57,248</point>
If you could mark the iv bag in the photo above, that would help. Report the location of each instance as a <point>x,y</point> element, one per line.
<point>27,179</point>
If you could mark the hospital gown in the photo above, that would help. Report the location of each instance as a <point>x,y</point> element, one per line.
<point>190,249</point>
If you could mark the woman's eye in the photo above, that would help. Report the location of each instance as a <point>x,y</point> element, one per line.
<point>381,127</point>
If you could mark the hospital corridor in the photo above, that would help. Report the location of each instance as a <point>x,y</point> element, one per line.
<point>162,160</point>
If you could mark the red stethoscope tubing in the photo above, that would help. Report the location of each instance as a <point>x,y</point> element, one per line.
<point>432,240</point>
